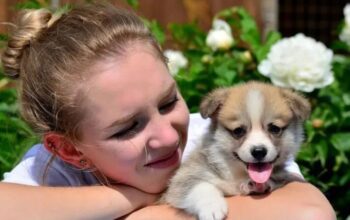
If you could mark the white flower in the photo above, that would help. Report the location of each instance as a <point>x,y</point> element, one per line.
<point>345,33</point>
<point>219,24</point>
<point>347,13</point>
<point>299,62</point>
<point>176,61</point>
<point>220,36</point>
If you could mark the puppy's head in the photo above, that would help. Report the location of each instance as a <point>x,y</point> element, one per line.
<point>260,125</point>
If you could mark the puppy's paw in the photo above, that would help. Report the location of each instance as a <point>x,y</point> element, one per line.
<point>245,188</point>
<point>213,209</point>
<point>207,202</point>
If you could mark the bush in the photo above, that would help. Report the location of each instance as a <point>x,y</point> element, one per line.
<point>15,136</point>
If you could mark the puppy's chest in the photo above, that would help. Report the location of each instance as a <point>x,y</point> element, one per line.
<point>230,182</point>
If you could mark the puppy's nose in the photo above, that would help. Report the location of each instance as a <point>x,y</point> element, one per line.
<point>258,152</point>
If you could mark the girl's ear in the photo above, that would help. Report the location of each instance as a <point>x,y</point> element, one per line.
<point>59,145</point>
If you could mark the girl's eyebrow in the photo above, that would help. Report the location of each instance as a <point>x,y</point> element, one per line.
<point>168,91</point>
<point>121,120</point>
<point>131,116</point>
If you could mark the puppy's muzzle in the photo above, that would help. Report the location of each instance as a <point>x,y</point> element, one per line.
<point>258,152</point>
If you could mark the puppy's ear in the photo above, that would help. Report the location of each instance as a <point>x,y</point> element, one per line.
<point>212,102</point>
<point>297,103</point>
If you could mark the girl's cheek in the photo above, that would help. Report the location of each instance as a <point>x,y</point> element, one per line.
<point>126,150</point>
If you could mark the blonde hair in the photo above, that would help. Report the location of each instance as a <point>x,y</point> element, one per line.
<point>50,56</point>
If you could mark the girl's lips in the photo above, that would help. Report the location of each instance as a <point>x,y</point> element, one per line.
<point>166,161</point>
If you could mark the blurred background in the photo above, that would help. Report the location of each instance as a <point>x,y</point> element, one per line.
<point>257,25</point>
<point>315,18</point>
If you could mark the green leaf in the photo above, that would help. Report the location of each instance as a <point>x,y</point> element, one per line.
<point>345,179</point>
<point>340,160</point>
<point>156,29</point>
<point>3,37</point>
<point>31,4</point>
<point>271,39</point>
<point>188,35</point>
<point>249,30</point>
<point>322,150</point>
<point>341,141</point>
<point>133,3</point>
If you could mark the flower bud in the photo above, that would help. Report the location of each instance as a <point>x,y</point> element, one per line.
<point>317,123</point>
<point>220,36</point>
<point>207,59</point>
<point>176,61</point>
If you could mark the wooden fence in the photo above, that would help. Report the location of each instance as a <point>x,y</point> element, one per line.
<point>164,11</point>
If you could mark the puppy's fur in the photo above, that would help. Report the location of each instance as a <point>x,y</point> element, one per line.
<point>244,119</point>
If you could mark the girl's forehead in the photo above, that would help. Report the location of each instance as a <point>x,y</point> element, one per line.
<point>135,68</point>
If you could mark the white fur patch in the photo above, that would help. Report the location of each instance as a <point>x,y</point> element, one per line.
<point>206,201</point>
<point>255,105</point>
<point>255,138</point>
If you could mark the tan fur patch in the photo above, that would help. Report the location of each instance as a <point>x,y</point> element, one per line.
<point>274,107</point>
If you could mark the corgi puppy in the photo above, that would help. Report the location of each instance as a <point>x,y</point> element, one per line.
<point>255,128</point>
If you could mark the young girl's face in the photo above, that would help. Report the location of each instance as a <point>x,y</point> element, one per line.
<point>136,121</point>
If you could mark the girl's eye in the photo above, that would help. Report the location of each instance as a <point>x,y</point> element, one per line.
<point>128,131</point>
<point>169,105</point>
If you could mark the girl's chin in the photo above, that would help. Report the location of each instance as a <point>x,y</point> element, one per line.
<point>156,189</point>
<point>158,184</point>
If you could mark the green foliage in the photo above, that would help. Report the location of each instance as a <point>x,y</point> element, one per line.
<point>324,160</point>
<point>156,29</point>
<point>15,136</point>
<point>133,3</point>
<point>32,4</point>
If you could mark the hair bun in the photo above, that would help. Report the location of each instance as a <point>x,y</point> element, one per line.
<point>29,26</point>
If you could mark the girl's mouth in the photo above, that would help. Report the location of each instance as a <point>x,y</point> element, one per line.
<point>166,161</point>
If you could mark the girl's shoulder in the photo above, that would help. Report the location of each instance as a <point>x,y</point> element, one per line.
<point>197,127</point>
<point>39,167</point>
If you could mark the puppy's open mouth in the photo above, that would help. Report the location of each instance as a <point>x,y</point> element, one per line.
<point>259,172</point>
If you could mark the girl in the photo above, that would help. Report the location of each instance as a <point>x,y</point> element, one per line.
<point>94,83</point>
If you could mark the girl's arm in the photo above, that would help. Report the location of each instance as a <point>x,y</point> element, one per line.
<point>92,202</point>
<point>296,200</point>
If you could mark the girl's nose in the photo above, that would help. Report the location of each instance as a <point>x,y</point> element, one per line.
<point>163,134</point>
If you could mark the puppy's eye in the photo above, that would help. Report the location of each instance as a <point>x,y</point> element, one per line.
<point>238,132</point>
<point>274,129</point>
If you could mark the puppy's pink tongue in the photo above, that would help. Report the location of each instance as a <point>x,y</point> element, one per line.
<point>259,173</point>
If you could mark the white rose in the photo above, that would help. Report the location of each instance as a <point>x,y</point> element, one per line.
<point>219,24</point>
<point>176,61</point>
<point>347,13</point>
<point>345,33</point>
<point>220,36</point>
<point>299,62</point>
